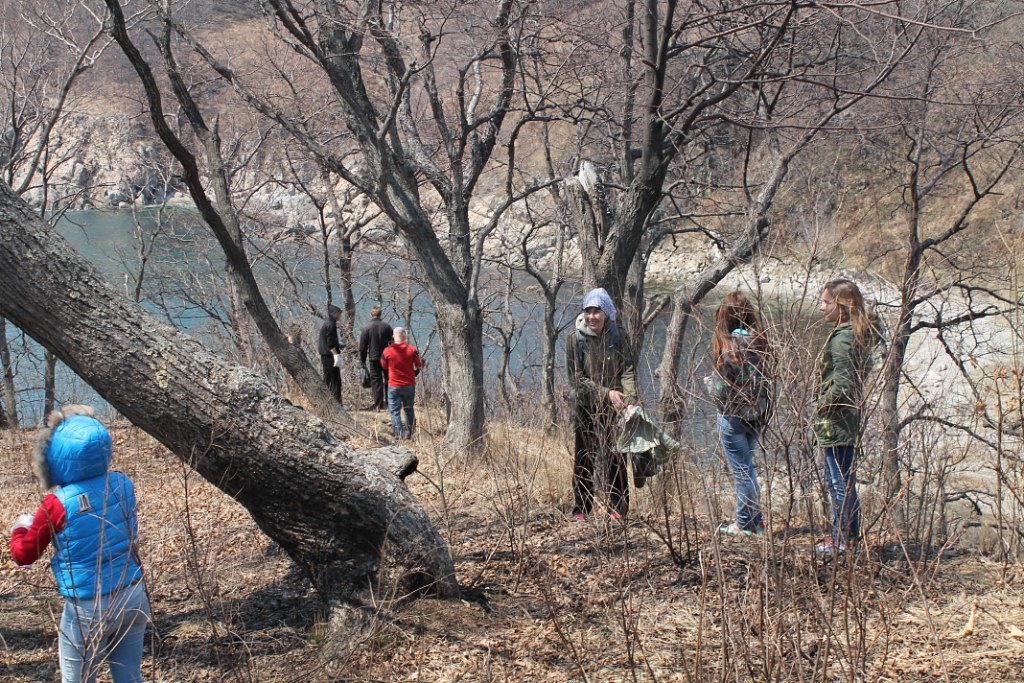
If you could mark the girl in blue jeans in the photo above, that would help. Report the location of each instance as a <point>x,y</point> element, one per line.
<point>739,357</point>
<point>90,519</point>
<point>739,440</point>
<point>842,368</point>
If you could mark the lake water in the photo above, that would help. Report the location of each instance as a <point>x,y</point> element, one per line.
<point>183,283</point>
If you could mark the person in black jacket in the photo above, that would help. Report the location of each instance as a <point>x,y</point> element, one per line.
<point>329,346</point>
<point>376,336</point>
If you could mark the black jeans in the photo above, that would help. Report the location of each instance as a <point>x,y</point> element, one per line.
<point>595,455</point>
<point>378,382</point>
<point>332,375</point>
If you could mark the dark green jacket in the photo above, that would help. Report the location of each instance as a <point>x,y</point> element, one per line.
<point>842,369</point>
<point>605,366</point>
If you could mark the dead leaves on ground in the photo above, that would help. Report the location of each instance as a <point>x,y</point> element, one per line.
<point>550,600</point>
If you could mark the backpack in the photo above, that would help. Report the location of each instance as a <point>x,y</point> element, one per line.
<point>746,393</point>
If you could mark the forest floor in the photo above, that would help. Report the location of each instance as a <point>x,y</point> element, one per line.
<point>658,598</point>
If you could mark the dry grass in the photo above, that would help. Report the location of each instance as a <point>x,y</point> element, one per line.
<point>546,599</point>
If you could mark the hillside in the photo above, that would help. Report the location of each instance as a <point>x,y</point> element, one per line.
<point>923,175</point>
<point>844,202</point>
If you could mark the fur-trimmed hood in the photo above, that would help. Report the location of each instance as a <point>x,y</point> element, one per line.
<point>74,446</point>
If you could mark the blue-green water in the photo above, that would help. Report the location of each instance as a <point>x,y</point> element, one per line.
<point>183,282</point>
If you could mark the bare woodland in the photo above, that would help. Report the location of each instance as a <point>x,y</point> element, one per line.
<point>506,155</point>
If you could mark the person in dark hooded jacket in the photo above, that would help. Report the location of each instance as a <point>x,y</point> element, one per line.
<point>89,517</point>
<point>329,346</point>
<point>599,364</point>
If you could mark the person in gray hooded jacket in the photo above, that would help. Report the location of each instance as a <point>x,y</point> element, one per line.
<point>599,364</point>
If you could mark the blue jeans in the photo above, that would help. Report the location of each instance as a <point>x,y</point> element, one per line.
<point>740,441</point>
<point>399,398</point>
<point>109,628</point>
<point>842,493</point>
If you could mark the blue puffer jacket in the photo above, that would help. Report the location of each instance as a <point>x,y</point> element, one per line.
<point>94,552</point>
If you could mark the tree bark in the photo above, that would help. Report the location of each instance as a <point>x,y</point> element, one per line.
<point>345,517</point>
<point>346,258</point>
<point>889,417</point>
<point>461,331</point>
<point>550,284</point>
<point>10,394</point>
<point>49,382</point>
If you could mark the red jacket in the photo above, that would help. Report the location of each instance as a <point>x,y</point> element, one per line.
<point>401,361</point>
<point>27,545</point>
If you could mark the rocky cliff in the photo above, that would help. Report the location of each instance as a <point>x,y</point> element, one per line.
<point>102,162</point>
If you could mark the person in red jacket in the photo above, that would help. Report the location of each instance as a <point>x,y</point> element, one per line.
<point>402,362</point>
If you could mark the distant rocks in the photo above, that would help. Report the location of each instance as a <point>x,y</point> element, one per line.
<point>106,162</point>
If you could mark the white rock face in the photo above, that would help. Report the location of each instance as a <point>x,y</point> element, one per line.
<point>104,162</point>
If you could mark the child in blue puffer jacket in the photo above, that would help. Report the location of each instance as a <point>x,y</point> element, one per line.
<point>90,518</point>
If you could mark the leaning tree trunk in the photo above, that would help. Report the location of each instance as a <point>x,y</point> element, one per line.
<point>685,300</point>
<point>345,519</point>
<point>756,229</point>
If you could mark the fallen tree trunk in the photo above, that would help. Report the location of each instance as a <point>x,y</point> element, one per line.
<point>345,517</point>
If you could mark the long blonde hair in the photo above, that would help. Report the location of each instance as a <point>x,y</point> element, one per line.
<point>850,302</point>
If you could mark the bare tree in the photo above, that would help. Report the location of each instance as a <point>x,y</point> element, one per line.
<point>218,211</point>
<point>44,50</point>
<point>341,216</point>
<point>506,330</point>
<point>666,72</point>
<point>954,149</point>
<point>707,108</point>
<point>345,225</point>
<point>380,75</point>
<point>344,516</point>
<point>550,279</point>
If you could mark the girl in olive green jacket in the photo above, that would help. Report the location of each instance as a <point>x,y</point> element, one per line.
<point>842,367</point>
